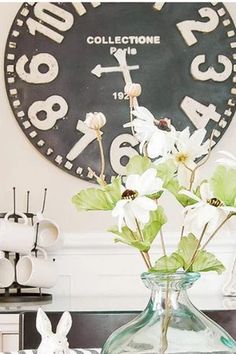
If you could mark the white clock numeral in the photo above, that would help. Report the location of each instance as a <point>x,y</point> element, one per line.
<point>87,138</point>
<point>80,8</point>
<point>52,15</point>
<point>34,75</point>
<point>55,107</point>
<point>186,28</point>
<point>158,5</point>
<point>34,26</point>
<point>120,149</point>
<point>210,73</point>
<point>59,18</point>
<point>198,113</point>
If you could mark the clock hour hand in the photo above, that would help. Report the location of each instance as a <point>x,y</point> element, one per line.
<point>120,56</point>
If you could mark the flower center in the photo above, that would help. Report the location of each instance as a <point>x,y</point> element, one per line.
<point>181,157</point>
<point>215,202</point>
<point>163,124</point>
<point>129,194</point>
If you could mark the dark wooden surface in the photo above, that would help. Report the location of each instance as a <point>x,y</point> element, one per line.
<point>91,329</point>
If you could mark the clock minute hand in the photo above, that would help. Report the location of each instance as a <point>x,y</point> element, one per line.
<point>99,70</point>
<point>120,56</point>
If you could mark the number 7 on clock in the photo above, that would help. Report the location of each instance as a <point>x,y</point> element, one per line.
<point>83,142</point>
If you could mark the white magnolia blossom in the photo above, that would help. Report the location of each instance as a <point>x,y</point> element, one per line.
<point>159,135</point>
<point>229,160</point>
<point>208,210</point>
<point>135,206</point>
<point>185,152</point>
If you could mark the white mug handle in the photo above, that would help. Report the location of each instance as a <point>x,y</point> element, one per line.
<point>24,217</point>
<point>45,255</point>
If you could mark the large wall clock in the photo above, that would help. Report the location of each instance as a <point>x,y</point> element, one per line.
<point>63,60</point>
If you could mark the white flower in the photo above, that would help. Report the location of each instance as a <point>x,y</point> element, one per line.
<point>187,149</point>
<point>208,210</point>
<point>135,206</point>
<point>133,90</point>
<point>158,134</point>
<point>95,120</point>
<point>229,160</point>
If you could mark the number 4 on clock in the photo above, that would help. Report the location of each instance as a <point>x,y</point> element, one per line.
<point>198,113</point>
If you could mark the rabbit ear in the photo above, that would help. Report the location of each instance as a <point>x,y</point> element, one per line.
<point>64,324</point>
<point>43,323</point>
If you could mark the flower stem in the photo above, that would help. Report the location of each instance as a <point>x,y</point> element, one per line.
<point>193,174</point>
<point>139,230</point>
<point>146,259</point>
<point>162,242</point>
<point>131,105</point>
<point>99,139</point>
<point>217,229</point>
<point>165,323</point>
<point>182,232</point>
<point>145,255</point>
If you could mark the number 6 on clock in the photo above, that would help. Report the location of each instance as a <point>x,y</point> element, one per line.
<point>118,151</point>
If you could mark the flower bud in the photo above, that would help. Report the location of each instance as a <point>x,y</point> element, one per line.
<point>95,120</point>
<point>133,90</point>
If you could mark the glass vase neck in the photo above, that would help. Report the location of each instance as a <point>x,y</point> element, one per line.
<point>176,281</point>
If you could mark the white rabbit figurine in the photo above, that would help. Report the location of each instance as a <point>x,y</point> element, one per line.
<point>53,343</point>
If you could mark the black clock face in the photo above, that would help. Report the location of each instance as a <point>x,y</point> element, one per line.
<point>64,60</point>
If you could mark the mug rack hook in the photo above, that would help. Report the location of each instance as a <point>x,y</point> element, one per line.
<point>44,200</point>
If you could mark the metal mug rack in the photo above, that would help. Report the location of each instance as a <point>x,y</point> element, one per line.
<point>16,292</point>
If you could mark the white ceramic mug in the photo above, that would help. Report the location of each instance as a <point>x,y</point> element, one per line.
<point>7,272</point>
<point>35,271</point>
<point>49,235</point>
<point>16,237</point>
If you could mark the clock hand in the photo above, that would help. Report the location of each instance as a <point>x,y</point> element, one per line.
<point>99,70</point>
<point>120,56</point>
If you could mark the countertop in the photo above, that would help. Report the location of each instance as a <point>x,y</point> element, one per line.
<point>112,303</point>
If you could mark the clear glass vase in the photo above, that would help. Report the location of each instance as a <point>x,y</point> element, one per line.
<point>170,323</point>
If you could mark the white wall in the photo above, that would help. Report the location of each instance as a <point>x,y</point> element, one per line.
<point>22,166</point>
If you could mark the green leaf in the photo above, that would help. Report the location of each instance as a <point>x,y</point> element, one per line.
<point>206,262</point>
<point>223,184</point>
<point>149,232</point>
<point>186,248</point>
<point>167,264</point>
<point>126,233</point>
<point>166,171</point>
<point>157,220</point>
<point>99,199</point>
<point>130,238</point>
<point>138,164</point>
<point>174,188</point>
<point>114,190</point>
